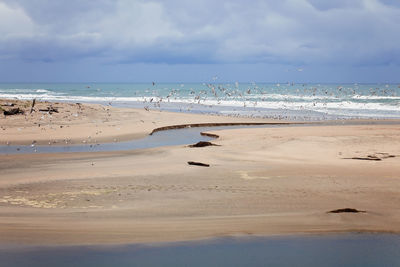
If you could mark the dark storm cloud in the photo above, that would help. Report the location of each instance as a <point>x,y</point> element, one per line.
<point>290,32</point>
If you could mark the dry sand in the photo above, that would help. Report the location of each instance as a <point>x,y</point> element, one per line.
<point>260,182</point>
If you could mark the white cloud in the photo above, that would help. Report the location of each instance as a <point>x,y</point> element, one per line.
<point>14,23</point>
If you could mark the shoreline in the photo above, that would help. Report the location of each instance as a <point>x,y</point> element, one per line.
<point>280,101</point>
<point>77,123</point>
<point>81,125</point>
<point>261,181</point>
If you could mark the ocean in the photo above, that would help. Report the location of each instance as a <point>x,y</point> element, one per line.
<point>269,100</point>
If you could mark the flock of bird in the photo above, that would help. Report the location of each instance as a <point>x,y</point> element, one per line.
<point>256,99</point>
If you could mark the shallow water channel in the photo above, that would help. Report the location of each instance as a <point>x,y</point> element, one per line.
<point>172,137</point>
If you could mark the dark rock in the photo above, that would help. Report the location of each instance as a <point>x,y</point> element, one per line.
<point>203,144</point>
<point>198,164</point>
<point>346,210</point>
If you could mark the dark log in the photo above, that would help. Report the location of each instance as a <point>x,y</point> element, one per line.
<point>346,210</point>
<point>180,126</point>
<point>33,104</point>
<point>374,157</point>
<point>367,158</point>
<point>203,144</point>
<point>209,135</point>
<point>384,155</point>
<point>49,110</point>
<point>198,164</point>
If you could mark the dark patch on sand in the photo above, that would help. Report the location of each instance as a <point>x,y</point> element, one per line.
<point>203,144</point>
<point>198,164</point>
<point>347,210</point>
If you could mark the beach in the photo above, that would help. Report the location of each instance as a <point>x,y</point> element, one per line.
<point>260,181</point>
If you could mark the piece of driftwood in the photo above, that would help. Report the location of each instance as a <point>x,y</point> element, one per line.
<point>49,110</point>
<point>198,164</point>
<point>203,144</point>
<point>384,155</point>
<point>13,111</point>
<point>33,105</point>
<point>367,158</point>
<point>181,126</point>
<point>375,157</point>
<point>346,210</point>
<point>209,135</point>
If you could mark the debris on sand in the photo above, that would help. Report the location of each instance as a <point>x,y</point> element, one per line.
<point>369,157</point>
<point>13,111</point>
<point>347,210</point>
<point>209,135</point>
<point>374,157</point>
<point>49,109</point>
<point>198,164</point>
<point>33,105</point>
<point>203,144</point>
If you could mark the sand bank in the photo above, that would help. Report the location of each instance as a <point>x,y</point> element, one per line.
<point>260,181</point>
<point>76,123</point>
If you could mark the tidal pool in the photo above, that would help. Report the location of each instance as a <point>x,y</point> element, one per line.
<point>183,136</point>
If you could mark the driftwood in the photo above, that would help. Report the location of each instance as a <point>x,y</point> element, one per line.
<point>181,126</point>
<point>374,157</point>
<point>203,144</point>
<point>383,155</point>
<point>198,164</point>
<point>13,111</point>
<point>367,158</point>
<point>209,135</point>
<point>346,210</point>
<point>33,105</point>
<point>49,110</point>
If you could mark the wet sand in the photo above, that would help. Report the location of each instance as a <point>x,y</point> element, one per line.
<point>262,181</point>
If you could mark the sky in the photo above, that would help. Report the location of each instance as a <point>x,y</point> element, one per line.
<point>198,40</point>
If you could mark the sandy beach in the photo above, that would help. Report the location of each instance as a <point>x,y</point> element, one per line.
<point>261,181</point>
<point>75,123</point>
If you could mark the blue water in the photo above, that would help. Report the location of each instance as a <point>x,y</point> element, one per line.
<point>289,101</point>
<point>344,250</point>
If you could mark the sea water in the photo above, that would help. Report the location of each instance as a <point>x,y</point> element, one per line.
<point>269,100</point>
<point>345,250</point>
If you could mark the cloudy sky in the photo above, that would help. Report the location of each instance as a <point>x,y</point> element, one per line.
<point>195,40</point>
